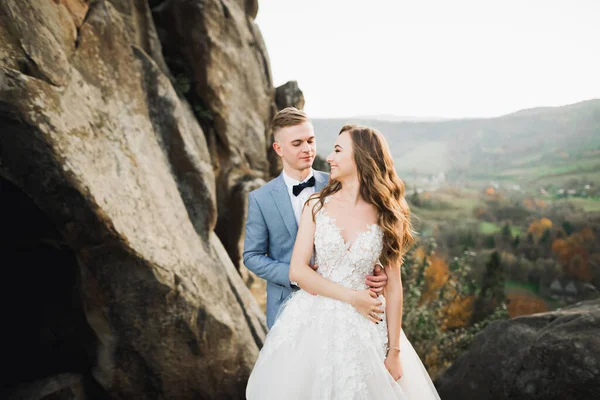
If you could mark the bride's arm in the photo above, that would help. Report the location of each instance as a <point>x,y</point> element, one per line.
<point>394,299</point>
<point>308,279</point>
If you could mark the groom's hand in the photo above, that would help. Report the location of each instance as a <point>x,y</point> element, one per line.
<point>378,280</point>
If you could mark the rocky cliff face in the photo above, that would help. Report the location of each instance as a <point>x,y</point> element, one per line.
<point>553,355</point>
<point>112,191</point>
<point>220,64</point>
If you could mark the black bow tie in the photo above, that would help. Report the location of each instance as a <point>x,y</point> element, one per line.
<point>296,189</point>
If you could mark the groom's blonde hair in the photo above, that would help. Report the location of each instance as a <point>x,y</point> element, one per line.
<point>289,116</point>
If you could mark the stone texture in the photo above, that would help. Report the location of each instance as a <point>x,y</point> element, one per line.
<point>77,8</point>
<point>547,356</point>
<point>95,134</point>
<point>219,62</point>
<point>140,29</point>
<point>289,95</point>
<point>251,8</point>
<point>59,387</point>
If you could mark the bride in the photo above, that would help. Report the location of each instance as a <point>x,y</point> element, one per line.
<point>335,338</point>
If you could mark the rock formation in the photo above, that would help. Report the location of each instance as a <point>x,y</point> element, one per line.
<point>220,64</point>
<point>112,192</point>
<point>548,356</point>
<point>289,95</point>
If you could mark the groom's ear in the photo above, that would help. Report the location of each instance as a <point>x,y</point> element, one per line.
<point>277,149</point>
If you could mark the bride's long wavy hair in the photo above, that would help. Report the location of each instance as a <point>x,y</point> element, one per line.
<point>380,186</point>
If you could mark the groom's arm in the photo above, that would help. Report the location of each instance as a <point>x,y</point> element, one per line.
<point>256,245</point>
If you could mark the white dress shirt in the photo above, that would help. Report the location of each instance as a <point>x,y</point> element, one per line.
<point>298,201</point>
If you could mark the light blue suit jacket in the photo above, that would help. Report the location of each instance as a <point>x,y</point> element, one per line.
<point>270,235</point>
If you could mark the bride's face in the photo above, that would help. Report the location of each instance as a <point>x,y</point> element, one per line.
<point>341,158</point>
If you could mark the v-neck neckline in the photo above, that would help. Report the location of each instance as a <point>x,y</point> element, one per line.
<point>348,245</point>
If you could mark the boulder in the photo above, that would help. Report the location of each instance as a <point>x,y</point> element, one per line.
<point>550,356</point>
<point>289,95</point>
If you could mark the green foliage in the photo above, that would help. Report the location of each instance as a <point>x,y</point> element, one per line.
<point>508,210</point>
<point>422,321</point>
<point>454,343</point>
<point>587,204</point>
<point>489,242</point>
<point>546,238</point>
<point>568,227</point>
<point>516,241</point>
<point>182,85</point>
<point>414,199</point>
<point>530,240</point>
<point>466,240</point>
<point>488,227</point>
<point>506,233</point>
<point>492,289</point>
<point>202,113</point>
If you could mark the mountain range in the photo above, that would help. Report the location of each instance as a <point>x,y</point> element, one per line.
<point>521,147</point>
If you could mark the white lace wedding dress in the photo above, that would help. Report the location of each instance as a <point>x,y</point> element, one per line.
<point>322,349</point>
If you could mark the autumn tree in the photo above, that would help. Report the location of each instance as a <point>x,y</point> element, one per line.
<point>436,276</point>
<point>574,254</point>
<point>538,227</point>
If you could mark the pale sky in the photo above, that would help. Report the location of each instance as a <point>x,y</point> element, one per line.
<point>434,58</point>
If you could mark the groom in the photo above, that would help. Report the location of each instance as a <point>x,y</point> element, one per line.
<point>274,209</point>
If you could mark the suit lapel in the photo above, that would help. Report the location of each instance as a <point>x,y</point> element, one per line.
<point>284,206</point>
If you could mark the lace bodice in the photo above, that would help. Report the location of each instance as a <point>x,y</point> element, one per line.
<point>345,263</point>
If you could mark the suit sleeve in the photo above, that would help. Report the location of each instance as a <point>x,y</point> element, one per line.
<point>256,244</point>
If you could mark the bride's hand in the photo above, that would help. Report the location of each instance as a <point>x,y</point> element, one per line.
<point>393,365</point>
<point>366,303</point>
